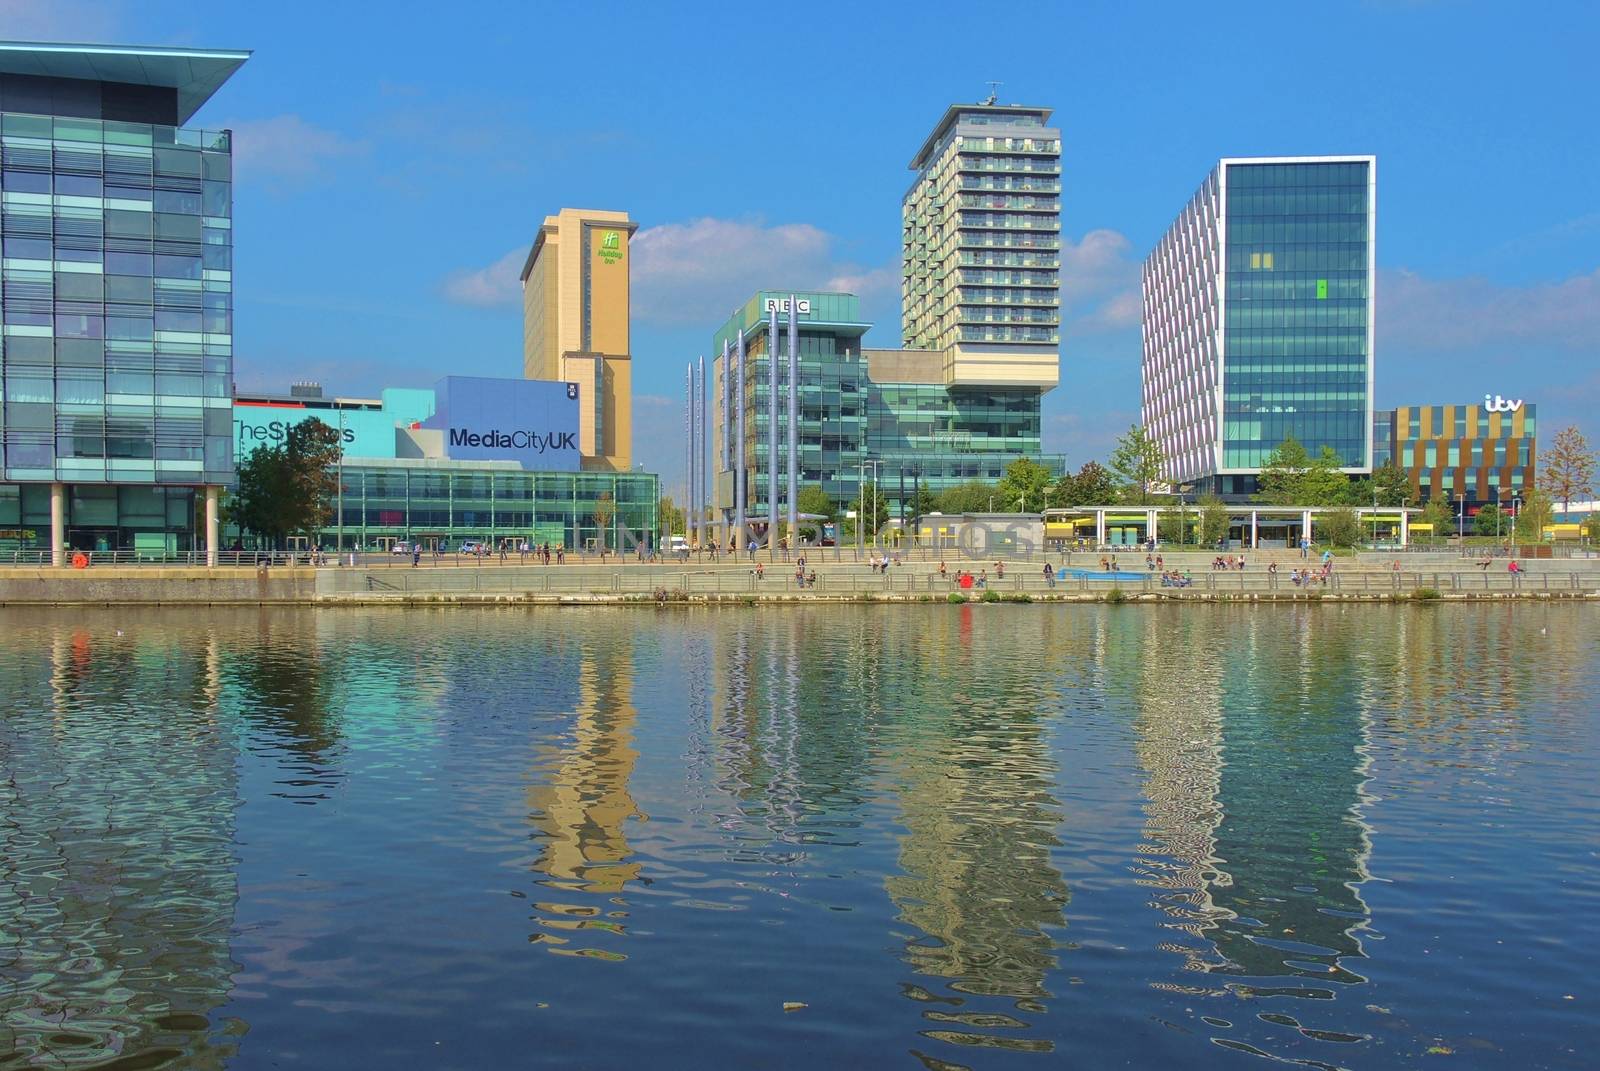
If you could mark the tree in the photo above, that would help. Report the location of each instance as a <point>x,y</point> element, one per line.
<point>1439,514</point>
<point>1136,463</point>
<point>1023,487</point>
<point>1092,485</point>
<point>1536,511</point>
<point>815,500</point>
<point>872,510</point>
<point>1282,474</point>
<point>672,518</point>
<point>974,496</point>
<point>1568,467</point>
<point>1340,527</point>
<point>1393,485</point>
<point>290,489</point>
<point>922,501</point>
<point>1591,527</point>
<point>1488,521</point>
<point>605,511</point>
<point>1292,477</point>
<point>1214,521</point>
<point>313,450</point>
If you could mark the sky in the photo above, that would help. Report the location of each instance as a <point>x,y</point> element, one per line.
<point>393,162</point>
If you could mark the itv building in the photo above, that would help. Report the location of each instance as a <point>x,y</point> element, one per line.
<point>472,458</point>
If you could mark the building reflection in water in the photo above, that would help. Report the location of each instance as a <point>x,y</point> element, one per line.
<point>579,804</point>
<point>1256,765</point>
<point>117,879</point>
<point>972,774</point>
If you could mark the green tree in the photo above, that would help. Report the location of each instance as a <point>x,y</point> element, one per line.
<point>1488,521</point>
<point>872,510</point>
<point>1023,487</point>
<point>1292,477</point>
<point>1591,527</point>
<point>814,500</point>
<point>974,496</point>
<point>1393,485</point>
<point>1340,527</point>
<point>1214,519</point>
<point>1091,485</point>
<point>264,499</point>
<point>313,450</point>
<point>290,489</point>
<point>672,518</point>
<point>1439,514</point>
<point>1283,473</point>
<point>1537,510</point>
<point>1136,463</point>
<point>922,501</point>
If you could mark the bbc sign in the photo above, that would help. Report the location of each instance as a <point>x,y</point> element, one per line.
<point>803,305</point>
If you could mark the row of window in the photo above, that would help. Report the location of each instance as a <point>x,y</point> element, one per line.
<point>1295,175</point>
<point>1498,452</point>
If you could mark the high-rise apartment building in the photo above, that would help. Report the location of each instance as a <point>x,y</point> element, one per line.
<point>981,234</point>
<point>1258,319</point>
<point>116,316</point>
<point>575,325</point>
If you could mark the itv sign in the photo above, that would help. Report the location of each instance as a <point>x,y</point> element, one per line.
<point>532,422</point>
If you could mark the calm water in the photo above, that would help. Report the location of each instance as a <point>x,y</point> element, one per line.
<point>979,836</point>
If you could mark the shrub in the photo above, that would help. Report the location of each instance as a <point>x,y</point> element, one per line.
<point>1020,596</point>
<point>1116,597</point>
<point>1425,594</point>
<point>990,596</point>
<point>955,598</point>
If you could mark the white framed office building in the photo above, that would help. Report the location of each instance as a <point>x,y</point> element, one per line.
<point>1258,319</point>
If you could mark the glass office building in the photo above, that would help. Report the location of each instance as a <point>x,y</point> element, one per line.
<point>116,324</point>
<point>874,414</point>
<point>1258,320</point>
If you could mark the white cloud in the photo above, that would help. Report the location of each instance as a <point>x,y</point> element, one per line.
<point>696,273</point>
<point>285,149</point>
<point>1099,284</point>
<point>498,284</point>
<point>1418,313</point>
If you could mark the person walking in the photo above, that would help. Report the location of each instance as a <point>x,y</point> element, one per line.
<point>1049,576</point>
<point>416,555</point>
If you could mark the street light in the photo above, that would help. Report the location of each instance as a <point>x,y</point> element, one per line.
<point>1461,518</point>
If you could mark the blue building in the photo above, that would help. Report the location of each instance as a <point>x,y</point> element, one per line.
<point>116,312</point>
<point>473,458</point>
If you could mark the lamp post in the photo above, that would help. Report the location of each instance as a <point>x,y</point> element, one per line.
<point>1461,518</point>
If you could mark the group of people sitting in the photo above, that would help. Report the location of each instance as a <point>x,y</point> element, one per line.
<point>881,565</point>
<point>1175,579</point>
<point>1109,565</point>
<point>1230,562</point>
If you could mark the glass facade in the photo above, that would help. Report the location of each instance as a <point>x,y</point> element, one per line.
<point>380,502</point>
<point>1257,320</point>
<point>116,293</point>
<point>117,251</point>
<point>1296,310</point>
<point>923,435</point>
<point>981,231</point>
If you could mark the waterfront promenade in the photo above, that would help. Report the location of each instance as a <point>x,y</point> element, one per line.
<point>1079,578</point>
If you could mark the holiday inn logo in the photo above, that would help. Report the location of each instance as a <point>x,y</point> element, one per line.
<point>611,247</point>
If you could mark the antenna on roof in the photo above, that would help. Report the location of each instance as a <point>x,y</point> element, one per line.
<point>994,91</point>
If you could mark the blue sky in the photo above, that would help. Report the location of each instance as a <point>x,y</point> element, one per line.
<point>394,161</point>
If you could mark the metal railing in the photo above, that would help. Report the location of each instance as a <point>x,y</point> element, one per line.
<point>729,582</point>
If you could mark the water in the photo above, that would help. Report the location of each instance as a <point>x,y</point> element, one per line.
<point>975,836</point>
